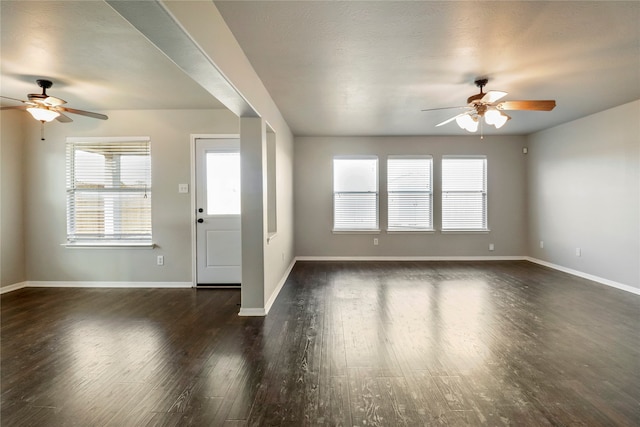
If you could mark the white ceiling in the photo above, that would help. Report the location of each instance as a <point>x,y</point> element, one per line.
<point>368,68</point>
<point>96,60</point>
<point>344,68</point>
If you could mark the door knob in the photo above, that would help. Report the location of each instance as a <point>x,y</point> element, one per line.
<point>200,220</point>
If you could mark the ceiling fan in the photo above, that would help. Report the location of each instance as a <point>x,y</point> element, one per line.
<point>486,105</point>
<point>45,108</point>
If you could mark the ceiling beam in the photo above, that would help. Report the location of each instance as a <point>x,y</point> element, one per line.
<point>159,26</point>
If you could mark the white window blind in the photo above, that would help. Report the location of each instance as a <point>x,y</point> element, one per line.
<point>109,190</point>
<point>355,193</point>
<point>464,193</point>
<point>409,193</point>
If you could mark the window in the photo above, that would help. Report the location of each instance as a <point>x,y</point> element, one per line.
<point>464,193</point>
<point>409,193</point>
<point>355,194</point>
<point>109,190</point>
<point>223,183</point>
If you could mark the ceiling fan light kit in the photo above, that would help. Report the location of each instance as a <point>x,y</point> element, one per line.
<point>495,118</point>
<point>467,122</point>
<point>486,105</point>
<point>43,114</point>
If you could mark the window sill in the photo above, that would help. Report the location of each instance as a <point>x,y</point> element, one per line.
<point>109,245</point>
<point>483,231</point>
<point>411,231</point>
<point>355,231</point>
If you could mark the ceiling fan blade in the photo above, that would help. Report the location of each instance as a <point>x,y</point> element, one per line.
<point>14,99</point>
<point>493,96</point>
<point>444,108</point>
<point>62,118</point>
<point>15,107</point>
<point>83,113</point>
<point>539,105</point>
<point>53,101</point>
<point>450,120</point>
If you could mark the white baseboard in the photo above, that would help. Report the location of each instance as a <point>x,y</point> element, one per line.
<point>276,292</point>
<point>252,312</point>
<point>132,285</point>
<point>411,258</point>
<point>601,280</point>
<point>278,288</point>
<point>14,287</point>
<point>587,276</point>
<point>283,280</point>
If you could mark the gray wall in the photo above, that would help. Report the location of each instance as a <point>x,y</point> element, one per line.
<point>582,180</point>
<point>506,197</point>
<point>32,238</point>
<point>170,133</point>
<point>12,251</point>
<point>280,250</point>
<point>584,192</point>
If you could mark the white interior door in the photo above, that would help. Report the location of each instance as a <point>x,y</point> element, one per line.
<point>218,239</point>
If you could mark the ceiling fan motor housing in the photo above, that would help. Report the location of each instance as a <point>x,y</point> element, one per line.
<point>44,84</point>
<point>476,97</point>
<point>481,83</point>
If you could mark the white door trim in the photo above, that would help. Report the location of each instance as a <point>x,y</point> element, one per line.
<point>192,154</point>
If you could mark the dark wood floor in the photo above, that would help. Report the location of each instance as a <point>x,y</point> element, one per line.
<point>351,344</point>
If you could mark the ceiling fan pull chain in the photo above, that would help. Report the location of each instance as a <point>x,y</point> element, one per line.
<point>41,130</point>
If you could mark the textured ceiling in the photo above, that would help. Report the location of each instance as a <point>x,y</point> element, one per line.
<point>368,68</point>
<point>95,58</point>
<point>344,68</point>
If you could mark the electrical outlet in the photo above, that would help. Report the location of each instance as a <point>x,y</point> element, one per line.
<point>183,188</point>
<point>541,244</point>
<point>160,260</point>
<point>375,241</point>
<point>491,247</point>
<point>578,252</point>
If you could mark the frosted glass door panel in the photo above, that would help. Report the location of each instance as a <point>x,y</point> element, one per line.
<point>223,183</point>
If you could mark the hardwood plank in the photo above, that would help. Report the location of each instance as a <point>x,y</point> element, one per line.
<point>346,343</point>
<point>339,410</point>
<point>428,397</point>
<point>367,407</point>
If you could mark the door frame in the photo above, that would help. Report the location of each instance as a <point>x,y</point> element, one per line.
<point>193,194</point>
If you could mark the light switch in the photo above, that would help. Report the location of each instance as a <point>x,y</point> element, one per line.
<point>183,188</point>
